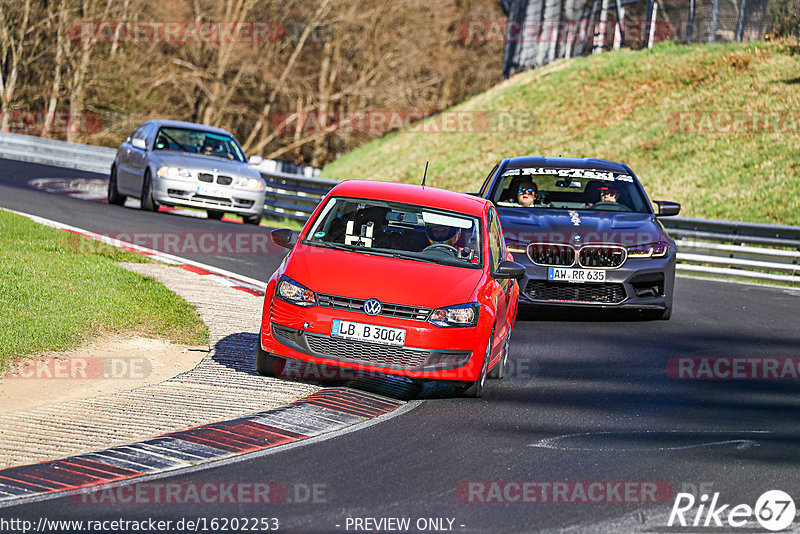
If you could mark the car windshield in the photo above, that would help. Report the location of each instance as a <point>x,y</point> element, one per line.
<point>566,188</point>
<point>198,142</point>
<point>398,230</point>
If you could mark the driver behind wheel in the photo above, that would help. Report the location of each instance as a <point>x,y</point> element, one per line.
<point>608,194</point>
<point>439,234</point>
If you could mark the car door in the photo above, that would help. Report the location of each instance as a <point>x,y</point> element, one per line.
<point>501,290</point>
<point>138,157</point>
<point>126,178</point>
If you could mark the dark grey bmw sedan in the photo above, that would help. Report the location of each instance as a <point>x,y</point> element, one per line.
<point>586,233</point>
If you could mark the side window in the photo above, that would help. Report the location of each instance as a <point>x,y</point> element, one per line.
<point>495,240</point>
<point>147,135</point>
<point>488,181</point>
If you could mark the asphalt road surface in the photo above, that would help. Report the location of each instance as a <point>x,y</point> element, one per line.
<point>599,416</point>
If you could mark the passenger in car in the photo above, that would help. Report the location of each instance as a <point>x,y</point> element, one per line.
<point>527,195</point>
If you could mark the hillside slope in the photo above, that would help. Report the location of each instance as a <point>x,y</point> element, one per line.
<point>715,127</point>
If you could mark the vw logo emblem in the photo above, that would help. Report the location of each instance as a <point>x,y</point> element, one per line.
<point>372,307</point>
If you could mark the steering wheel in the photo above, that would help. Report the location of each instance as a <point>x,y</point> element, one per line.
<point>610,204</point>
<point>445,246</point>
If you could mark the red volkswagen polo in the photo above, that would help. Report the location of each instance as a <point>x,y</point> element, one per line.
<point>394,279</point>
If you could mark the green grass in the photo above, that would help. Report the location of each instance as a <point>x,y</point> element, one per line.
<point>619,106</point>
<point>58,290</point>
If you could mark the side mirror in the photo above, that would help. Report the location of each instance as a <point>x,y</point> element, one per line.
<point>283,237</point>
<point>139,143</point>
<point>255,160</point>
<point>666,208</point>
<point>508,270</point>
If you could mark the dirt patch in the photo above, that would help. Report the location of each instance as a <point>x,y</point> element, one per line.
<point>109,364</point>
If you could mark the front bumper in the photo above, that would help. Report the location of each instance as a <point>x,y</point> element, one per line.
<point>171,192</point>
<point>429,352</point>
<point>640,283</point>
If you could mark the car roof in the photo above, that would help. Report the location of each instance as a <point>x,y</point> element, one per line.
<point>573,163</point>
<point>193,125</point>
<point>431,197</point>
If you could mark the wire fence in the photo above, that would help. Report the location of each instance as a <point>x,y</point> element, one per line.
<point>539,31</point>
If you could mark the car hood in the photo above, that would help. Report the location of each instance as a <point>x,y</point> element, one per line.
<point>203,163</point>
<point>397,281</point>
<point>522,225</point>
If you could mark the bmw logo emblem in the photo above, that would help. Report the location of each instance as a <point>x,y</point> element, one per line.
<point>576,239</point>
<point>372,307</point>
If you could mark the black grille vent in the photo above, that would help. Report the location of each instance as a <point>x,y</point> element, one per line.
<point>387,310</point>
<point>371,353</point>
<point>205,177</point>
<point>567,292</point>
<point>607,256</point>
<point>550,254</point>
<point>224,180</point>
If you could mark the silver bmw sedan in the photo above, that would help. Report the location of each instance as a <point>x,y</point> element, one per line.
<point>175,163</point>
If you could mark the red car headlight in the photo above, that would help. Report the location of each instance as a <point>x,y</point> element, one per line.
<point>459,315</point>
<point>291,291</point>
<point>649,250</point>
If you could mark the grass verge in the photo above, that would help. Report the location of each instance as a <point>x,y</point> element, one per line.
<point>58,289</point>
<point>666,112</point>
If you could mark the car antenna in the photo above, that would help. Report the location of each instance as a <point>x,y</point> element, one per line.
<point>424,174</point>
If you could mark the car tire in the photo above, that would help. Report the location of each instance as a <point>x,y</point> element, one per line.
<point>146,198</point>
<point>499,370</point>
<point>113,193</point>
<point>215,215</point>
<point>252,219</point>
<point>268,364</point>
<point>475,390</point>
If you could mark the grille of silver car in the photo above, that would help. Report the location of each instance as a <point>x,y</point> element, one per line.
<point>567,292</point>
<point>414,313</point>
<point>209,178</point>
<point>551,254</point>
<point>607,256</point>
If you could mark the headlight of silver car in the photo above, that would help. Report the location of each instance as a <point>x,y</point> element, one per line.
<point>253,184</point>
<point>175,173</point>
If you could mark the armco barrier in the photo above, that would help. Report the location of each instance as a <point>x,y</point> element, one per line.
<point>737,250</point>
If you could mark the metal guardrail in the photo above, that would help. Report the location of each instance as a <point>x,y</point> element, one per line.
<point>53,152</point>
<point>738,250</point>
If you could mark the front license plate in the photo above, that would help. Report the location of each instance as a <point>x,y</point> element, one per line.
<point>211,191</point>
<point>576,275</point>
<point>368,332</point>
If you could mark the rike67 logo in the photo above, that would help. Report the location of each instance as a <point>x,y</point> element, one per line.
<point>774,510</point>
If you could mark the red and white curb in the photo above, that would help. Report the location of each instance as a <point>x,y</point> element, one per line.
<point>325,411</point>
<point>233,280</point>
